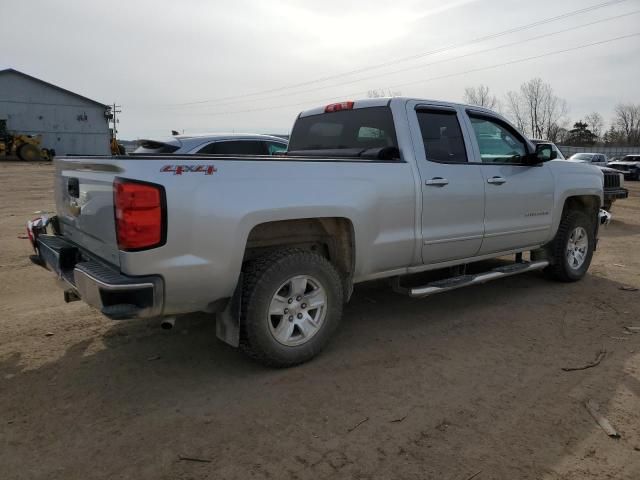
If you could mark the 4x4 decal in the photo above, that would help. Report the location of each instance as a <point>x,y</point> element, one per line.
<point>180,169</point>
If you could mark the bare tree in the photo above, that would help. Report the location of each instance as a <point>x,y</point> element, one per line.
<point>480,96</point>
<point>381,92</point>
<point>596,124</point>
<point>536,109</point>
<point>627,121</point>
<point>516,110</point>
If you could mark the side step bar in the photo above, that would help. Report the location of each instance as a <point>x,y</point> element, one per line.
<point>466,280</point>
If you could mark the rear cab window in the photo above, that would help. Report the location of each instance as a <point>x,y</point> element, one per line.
<point>349,132</point>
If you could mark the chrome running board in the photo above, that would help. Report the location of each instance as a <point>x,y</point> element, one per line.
<point>466,280</point>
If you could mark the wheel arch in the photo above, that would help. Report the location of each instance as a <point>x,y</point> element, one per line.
<point>586,201</point>
<point>332,237</point>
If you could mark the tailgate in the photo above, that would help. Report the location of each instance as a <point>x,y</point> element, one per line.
<point>84,204</point>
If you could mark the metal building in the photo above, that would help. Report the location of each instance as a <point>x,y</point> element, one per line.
<point>68,122</point>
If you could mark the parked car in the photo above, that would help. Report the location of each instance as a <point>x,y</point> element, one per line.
<point>613,179</point>
<point>629,166</point>
<point>378,188</point>
<point>597,159</point>
<point>217,143</point>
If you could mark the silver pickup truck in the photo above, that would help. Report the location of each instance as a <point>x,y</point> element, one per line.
<point>272,245</point>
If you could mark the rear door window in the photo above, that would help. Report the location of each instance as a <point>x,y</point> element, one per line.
<point>235,147</point>
<point>273,148</point>
<point>151,147</point>
<point>442,136</point>
<point>361,128</point>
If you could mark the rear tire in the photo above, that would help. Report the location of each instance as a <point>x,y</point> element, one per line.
<point>572,247</point>
<point>291,304</point>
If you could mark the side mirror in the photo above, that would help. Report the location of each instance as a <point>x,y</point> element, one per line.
<point>545,152</point>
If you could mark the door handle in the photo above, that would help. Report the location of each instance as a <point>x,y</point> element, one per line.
<point>496,180</point>
<point>437,182</point>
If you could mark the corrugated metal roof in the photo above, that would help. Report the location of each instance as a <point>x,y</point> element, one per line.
<point>51,85</point>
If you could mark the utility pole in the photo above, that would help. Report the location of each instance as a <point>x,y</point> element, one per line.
<point>115,109</point>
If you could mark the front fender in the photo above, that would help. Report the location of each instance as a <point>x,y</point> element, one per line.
<point>574,179</point>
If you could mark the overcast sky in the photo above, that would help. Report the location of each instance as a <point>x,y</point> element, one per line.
<point>158,58</point>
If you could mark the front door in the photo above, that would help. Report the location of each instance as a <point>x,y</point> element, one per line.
<point>519,198</point>
<point>452,188</point>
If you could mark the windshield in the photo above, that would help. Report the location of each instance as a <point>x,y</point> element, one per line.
<point>362,128</point>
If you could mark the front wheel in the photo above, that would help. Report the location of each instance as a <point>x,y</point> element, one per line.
<point>28,153</point>
<point>572,248</point>
<point>291,304</point>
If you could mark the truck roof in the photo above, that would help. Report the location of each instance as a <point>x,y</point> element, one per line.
<point>387,101</point>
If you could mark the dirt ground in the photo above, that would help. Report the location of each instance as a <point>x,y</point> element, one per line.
<point>466,383</point>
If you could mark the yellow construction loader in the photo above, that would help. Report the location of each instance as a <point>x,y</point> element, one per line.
<point>25,147</point>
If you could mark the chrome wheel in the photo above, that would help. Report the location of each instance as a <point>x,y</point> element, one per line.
<point>577,247</point>
<point>297,310</point>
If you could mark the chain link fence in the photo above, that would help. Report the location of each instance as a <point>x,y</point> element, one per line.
<point>610,152</point>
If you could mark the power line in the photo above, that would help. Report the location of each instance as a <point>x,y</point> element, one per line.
<point>424,65</point>
<point>411,57</point>
<point>426,80</point>
<point>520,60</point>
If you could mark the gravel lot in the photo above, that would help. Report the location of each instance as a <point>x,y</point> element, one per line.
<point>468,382</point>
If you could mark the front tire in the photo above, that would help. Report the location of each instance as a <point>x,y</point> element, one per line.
<point>28,153</point>
<point>291,304</point>
<point>572,247</point>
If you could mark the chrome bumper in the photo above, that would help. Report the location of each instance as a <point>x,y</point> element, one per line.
<point>116,295</point>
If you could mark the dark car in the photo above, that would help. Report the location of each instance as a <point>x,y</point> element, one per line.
<point>629,165</point>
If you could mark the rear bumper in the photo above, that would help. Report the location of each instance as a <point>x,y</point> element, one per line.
<point>116,295</point>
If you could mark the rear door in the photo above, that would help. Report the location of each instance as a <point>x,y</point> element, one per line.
<point>519,198</point>
<point>452,187</point>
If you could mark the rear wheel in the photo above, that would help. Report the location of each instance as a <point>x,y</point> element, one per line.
<point>291,304</point>
<point>572,248</point>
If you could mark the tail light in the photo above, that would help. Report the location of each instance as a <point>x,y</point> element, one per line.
<point>140,211</point>
<point>336,107</point>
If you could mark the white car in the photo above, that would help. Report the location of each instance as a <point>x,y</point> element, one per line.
<point>597,159</point>
<point>215,143</point>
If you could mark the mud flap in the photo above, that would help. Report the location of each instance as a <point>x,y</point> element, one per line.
<point>228,321</point>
